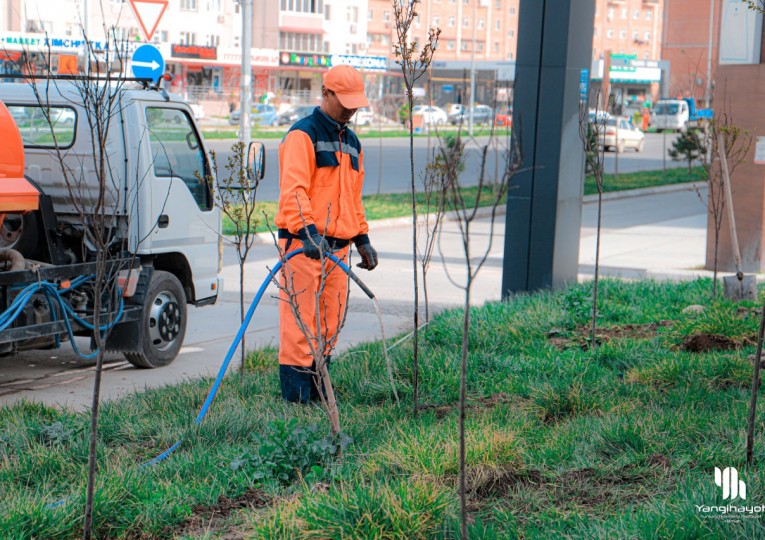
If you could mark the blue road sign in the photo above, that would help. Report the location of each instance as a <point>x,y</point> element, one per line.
<point>584,84</point>
<point>147,63</point>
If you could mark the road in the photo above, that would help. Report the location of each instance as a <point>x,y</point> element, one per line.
<point>388,170</point>
<point>659,235</point>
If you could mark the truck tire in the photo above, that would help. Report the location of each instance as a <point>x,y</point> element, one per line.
<point>163,323</point>
<point>22,233</point>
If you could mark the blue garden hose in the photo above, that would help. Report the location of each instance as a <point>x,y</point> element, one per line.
<point>243,328</point>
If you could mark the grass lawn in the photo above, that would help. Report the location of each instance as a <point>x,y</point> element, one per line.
<point>563,441</point>
<point>393,205</point>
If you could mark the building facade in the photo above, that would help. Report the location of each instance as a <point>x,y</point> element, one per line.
<point>295,41</point>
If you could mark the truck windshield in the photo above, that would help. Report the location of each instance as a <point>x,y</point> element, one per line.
<point>667,108</point>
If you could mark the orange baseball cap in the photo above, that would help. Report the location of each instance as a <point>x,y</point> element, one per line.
<point>348,85</point>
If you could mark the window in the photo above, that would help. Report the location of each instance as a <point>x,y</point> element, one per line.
<point>465,22</point>
<point>160,36</point>
<point>385,40</point>
<point>610,33</point>
<point>636,14</point>
<point>212,40</point>
<point>466,2</point>
<point>464,46</point>
<point>624,13</point>
<point>451,22</point>
<point>479,46</point>
<point>177,152</point>
<point>511,33</point>
<point>647,36</point>
<point>481,24</point>
<point>188,5</point>
<point>497,25</point>
<point>450,45</point>
<point>634,35</point>
<point>510,56</point>
<point>498,4</point>
<point>36,130</point>
<point>371,15</point>
<point>511,12</point>
<point>188,38</point>
<point>436,20</point>
<point>386,16</point>
<point>648,15</point>
<point>610,14</point>
<point>622,33</point>
<point>496,46</point>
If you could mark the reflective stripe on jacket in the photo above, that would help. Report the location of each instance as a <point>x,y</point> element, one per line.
<point>321,173</point>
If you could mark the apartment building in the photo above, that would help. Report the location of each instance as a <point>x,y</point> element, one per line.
<point>690,47</point>
<point>294,41</point>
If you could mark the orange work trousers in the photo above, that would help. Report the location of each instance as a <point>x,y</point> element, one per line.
<point>306,279</point>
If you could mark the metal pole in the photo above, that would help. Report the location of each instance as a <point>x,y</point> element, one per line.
<point>245,99</point>
<point>708,91</point>
<point>472,71</point>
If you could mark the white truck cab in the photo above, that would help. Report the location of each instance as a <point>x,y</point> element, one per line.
<point>670,114</point>
<point>163,212</point>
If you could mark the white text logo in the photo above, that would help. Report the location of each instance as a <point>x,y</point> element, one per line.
<point>728,480</point>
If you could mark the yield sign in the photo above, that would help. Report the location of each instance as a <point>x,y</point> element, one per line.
<point>148,13</point>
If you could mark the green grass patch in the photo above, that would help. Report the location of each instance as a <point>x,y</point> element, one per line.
<point>644,179</point>
<point>563,441</point>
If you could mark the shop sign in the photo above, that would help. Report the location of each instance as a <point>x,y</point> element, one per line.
<point>38,42</point>
<point>304,60</point>
<point>623,62</point>
<point>194,51</point>
<point>368,63</point>
<point>258,57</point>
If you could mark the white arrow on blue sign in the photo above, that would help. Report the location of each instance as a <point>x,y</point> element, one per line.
<point>147,63</point>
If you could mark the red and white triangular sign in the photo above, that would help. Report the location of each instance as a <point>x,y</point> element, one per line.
<point>148,13</point>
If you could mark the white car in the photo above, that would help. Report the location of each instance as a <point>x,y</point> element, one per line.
<point>432,115</point>
<point>364,117</point>
<point>619,134</point>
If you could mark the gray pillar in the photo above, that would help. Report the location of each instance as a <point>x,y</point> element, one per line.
<point>544,204</point>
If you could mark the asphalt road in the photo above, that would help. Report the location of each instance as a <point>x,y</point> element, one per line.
<point>388,168</point>
<point>660,235</point>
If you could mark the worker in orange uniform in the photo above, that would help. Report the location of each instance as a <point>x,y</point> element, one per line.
<point>646,117</point>
<point>321,174</point>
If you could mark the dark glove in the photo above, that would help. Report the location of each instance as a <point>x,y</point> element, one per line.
<point>314,244</point>
<point>366,251</point>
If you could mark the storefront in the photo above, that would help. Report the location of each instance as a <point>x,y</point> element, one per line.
<point>633,82</point>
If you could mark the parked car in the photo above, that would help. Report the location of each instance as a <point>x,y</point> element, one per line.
<point>197,109</point>
<point>504,117</point>
<point>619,134</point>
<point>482,114</point>
<point>293,114</point>
<point>364,117</point>
<point>262,115</point>
<point>432,115</point>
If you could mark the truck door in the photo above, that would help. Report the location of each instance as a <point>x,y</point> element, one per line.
<point>187,221</point>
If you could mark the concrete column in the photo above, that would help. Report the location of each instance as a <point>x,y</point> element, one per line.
<point>739,91</point>
<point>544,201</point>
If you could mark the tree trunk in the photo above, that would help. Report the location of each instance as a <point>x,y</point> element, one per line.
<point>463,398</point>
<point>333,413</point>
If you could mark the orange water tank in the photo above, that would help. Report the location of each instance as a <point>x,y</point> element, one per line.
<point>16,193</point>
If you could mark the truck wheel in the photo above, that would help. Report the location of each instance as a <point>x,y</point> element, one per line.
<point>20,232</point>
<point>163,322</point>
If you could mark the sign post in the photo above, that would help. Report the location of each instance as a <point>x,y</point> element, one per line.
<point>148,13</point>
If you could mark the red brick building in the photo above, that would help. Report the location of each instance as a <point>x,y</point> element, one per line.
<point>689,47</point>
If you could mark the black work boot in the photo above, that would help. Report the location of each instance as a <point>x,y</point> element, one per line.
<point>297,383</point>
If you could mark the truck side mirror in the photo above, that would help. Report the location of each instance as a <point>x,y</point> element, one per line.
<point>256,161</point>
